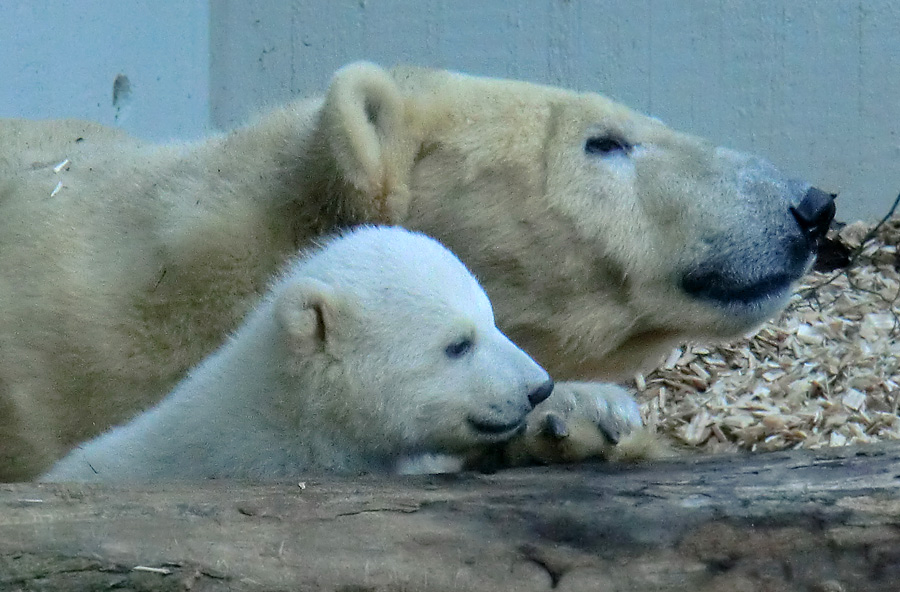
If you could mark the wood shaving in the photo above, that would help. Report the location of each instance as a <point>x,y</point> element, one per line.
<point>63,165</point>
<point>826,372</point>
<point>157,570</point>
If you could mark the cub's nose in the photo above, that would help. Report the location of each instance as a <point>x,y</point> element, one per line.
<point>814,213</point>
<point>540,393</point>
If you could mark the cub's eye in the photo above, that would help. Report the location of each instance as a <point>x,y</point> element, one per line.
<point>607,145</point>
<point>458,349</point>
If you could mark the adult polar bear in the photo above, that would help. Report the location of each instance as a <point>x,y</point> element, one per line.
<point>601,235</point>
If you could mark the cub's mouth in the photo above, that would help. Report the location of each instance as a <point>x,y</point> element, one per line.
<point>496,431</point>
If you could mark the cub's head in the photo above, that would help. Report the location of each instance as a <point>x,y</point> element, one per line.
<point>601,235</point>
<point>394,345</point>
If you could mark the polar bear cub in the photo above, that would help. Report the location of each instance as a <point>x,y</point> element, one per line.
<point>375,350</point>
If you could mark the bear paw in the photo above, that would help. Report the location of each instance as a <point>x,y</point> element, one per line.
<point>581,421</point>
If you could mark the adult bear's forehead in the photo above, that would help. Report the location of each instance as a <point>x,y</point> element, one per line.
<point>483,97</point>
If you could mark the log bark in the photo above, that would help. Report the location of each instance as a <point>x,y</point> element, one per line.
<point>817,521</point>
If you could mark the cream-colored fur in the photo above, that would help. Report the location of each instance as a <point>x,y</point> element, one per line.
<point>567,431</point>
<point>592,228</point>
<point>352,363</point>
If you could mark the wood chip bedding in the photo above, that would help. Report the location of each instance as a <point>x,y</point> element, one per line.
<point>825,373</point>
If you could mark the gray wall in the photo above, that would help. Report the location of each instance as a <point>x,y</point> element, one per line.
<point>61,58</point>
<point>811,84</point>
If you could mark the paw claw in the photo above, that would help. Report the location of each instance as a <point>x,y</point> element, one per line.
<point>555,427</point>
<point>619,415</point>
<point>580,420</point>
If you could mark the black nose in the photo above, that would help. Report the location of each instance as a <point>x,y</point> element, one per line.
<point>814,213</point>
<point>540,393</point>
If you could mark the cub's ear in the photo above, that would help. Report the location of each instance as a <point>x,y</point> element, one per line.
<point>312,316</point>
<point>365,127</point>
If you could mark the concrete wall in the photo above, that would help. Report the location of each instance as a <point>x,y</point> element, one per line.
<point>814,85</point>
<point>139,64</point>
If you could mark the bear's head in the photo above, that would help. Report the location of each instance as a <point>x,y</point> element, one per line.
<point>392,342</point>
<point>601,235</point>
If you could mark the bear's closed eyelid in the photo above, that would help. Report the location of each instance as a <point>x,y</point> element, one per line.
<point>459,348</point>
<point>606,144</point>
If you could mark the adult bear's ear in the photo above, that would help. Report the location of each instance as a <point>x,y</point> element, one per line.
<point>312,317</point>
<point>365,126</point>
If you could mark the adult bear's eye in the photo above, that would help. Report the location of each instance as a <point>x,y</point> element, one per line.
<point>458,349</point>
<point>607,145</point>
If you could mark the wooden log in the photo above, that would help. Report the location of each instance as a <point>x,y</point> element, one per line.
<point>824,521</point>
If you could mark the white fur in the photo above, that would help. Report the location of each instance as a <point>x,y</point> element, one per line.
<point>148,256</point>
<point>341,367</point>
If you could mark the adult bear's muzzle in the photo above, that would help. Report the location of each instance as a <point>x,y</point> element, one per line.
<point>814,213</point>
<point>752,265</point>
